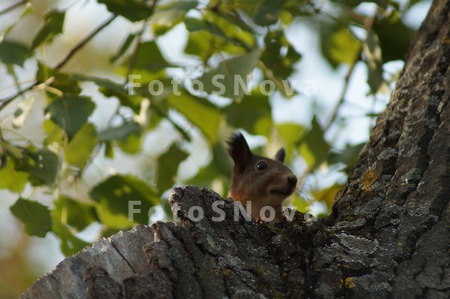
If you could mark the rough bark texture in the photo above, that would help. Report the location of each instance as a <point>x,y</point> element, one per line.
<point>388,235</point>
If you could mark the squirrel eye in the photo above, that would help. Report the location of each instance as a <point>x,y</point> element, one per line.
<point>261,165</point>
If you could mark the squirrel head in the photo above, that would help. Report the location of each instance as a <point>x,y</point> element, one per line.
<point>262,181</point>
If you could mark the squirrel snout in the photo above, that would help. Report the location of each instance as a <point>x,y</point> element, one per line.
<point>292,180</point>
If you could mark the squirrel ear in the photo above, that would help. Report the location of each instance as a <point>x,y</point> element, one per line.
<point>280,155</point>
<point>239,150</point>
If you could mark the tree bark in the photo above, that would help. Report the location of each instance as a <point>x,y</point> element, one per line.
<point>388,235</point>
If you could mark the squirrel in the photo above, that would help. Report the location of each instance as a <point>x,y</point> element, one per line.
<point>259,180</point>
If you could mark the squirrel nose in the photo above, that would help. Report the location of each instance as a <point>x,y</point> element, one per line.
<point>292,180</point>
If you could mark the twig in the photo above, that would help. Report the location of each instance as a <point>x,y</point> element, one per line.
<point>81,44</point>
<point>369,22</point>
<point>343,93</point>
<point>181,130</point>
<point>135,52</point>
<point>84,42</point>
<point>8,9</point>
<point>134,55</point>
<point>5,102</point>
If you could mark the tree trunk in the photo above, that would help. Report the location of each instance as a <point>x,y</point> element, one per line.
<point>388,235</point>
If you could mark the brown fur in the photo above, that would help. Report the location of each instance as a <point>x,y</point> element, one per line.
<point>262,187</point>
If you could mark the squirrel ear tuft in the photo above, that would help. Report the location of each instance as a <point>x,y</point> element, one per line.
<point>239,150</point>
<point>280,155</point>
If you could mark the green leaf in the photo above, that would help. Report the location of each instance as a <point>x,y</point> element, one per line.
<point>167,16</point>
<point>128,136</point>
<point>55,135</point>
<point>13,53</point>
<point>314,148</point>
<point>149,57</point>
<point>373,59</point>
<point>240,36</point>
<point>120,133</point>
<point>53,25</point>
<point>349,155</point>
<point>112,89</point>
<point>119,195</point>
<point>126,44</point>
<point>76,213</point>
<point>252,113</point>
<point>15,151</point>
<point>300,204</point>
<point>395,37</point>
<point>198,111</point>
<point>196,45</point>
<point>354,3</point>
<point>44,72</point>
<point>225,79</point>
<point>327,195</point>
<point>210,177</point>
<point>339,45</point>
<point>250,7</point>
<point>269,12</point>
<point>70,112</point>
<point>43,166</point>
<point>194,25</point>
<point>217,171</point>
<point>80,148</point>
<point>133,10</point>
<point>109,150</point>
<point>70,244</point>
<point>131,144</point>
<point>168,167</point>
<point>66,83</point>
<point>208,36</point>
<point>291,134</point>
<point>201,44</point>
<point>279,55</point>
<point>11,179</point>
<point>34,215</point>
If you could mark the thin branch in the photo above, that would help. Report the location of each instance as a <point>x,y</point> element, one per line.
<point>6,101</point>
<point>180,129</point>
<point>14,6</point>
<point>369,22</point>
<point>62,63</point>
<point>84,42</point>
<point>341,101</point>
<point>135,52</point>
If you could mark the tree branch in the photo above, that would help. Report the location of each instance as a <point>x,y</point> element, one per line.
<point>62,63</point>
<point>82,43</point>
<point>14,6</point>
<point>341,101</point>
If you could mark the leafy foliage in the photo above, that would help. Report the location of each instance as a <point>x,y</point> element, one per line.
<point>34,215</point>
<point>232,50</point>
<point>118,196</point>
<point>70,113</point>
<point>53,25</point>
<point>13,53</point>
